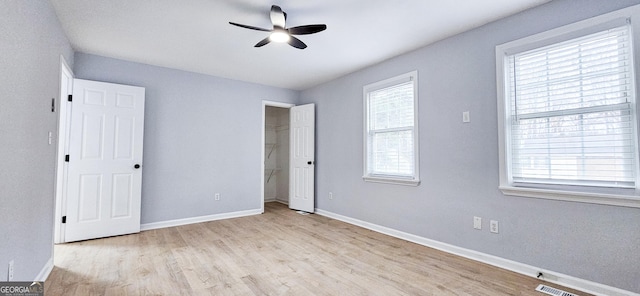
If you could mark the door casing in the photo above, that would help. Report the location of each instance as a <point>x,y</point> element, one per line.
<point>62,139</point>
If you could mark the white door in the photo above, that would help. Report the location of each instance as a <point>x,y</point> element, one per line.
<point>302,158</point>
<point>105,160</point>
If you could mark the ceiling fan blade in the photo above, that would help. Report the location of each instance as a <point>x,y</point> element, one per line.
<point>263,42</point>
<point>278,18</point>
<point>308,29</point>
<point>297,43</point>
<point>249,27</point>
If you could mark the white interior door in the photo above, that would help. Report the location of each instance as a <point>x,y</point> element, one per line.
<point>105,160</point>
<point>302,158</point>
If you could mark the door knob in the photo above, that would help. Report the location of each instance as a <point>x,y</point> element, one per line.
<point>136,166</point>
<point>309,162</point>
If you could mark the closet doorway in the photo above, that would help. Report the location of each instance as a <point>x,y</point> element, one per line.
<point>275,153</point>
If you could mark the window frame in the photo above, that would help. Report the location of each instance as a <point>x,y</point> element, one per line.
<point>413,180</point>
<point>595,195</point>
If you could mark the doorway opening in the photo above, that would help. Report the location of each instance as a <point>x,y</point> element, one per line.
<point>276,154</point>
<point>98,159</point>
<point>299,172</point>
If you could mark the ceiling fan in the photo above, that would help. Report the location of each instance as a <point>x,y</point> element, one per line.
<point>280,33</point>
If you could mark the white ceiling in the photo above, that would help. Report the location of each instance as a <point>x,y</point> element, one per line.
<point>194,35</point>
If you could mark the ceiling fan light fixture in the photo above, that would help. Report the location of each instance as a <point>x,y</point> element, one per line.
<point>280,33</point>
<point>280,36</point>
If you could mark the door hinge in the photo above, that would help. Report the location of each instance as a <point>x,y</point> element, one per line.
<point>66,158</point>
<point>70,98</point>
<point>64,219</point>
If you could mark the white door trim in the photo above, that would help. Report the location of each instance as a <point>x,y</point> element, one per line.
<point>62,140</point>
<point>264,110</point>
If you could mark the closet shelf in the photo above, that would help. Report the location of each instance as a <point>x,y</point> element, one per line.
<point>273,138</point>
<point>273,147</point>
<point>277,127</point>
<point>270,172</point>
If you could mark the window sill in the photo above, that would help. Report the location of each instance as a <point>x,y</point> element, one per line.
<point>405,182</point>
<point>585,197</point>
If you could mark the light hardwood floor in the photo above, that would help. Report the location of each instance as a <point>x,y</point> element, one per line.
<point>277,253</point>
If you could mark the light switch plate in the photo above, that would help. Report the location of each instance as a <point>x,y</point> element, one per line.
<point>477,222</point>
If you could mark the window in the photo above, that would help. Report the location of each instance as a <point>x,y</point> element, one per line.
<point>391,141</point>
<point>567,114</point>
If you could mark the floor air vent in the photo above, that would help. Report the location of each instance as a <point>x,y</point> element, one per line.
<point>553,291</point>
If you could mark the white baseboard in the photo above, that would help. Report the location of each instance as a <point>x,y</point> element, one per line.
<point>275,199</point>
<point>528,270</point>
<point>46,270</point>
<point>200,219</point>
<point>284,202</point>
<point>278,201</point>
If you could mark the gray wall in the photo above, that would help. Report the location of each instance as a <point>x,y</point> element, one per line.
<point>202,136</point>
<point>31,42</point>
<point>459,162</point>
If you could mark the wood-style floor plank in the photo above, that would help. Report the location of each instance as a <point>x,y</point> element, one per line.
<point>277,253</point>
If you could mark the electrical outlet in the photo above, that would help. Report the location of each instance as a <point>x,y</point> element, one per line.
<point>477,222</point>
<point>11,266</point>
<point>330,195</point>
<point>216,196</point>
<point>465,117</point>
<point>493,226</point>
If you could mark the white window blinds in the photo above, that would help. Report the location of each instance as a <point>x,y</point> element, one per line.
<point>571,112</point>
<point>390,130</point>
